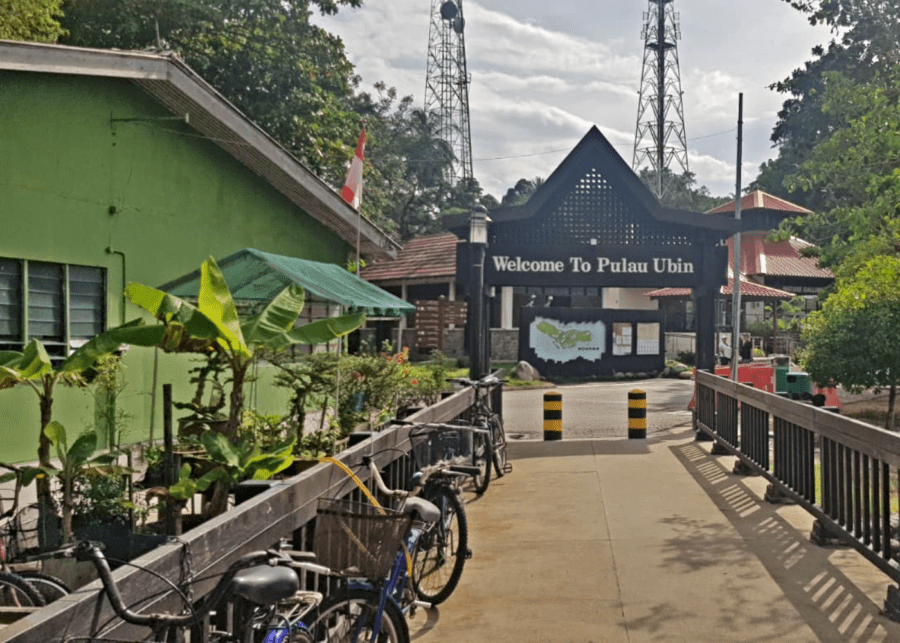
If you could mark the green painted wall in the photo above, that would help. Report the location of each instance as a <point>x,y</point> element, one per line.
<point>94,165</point>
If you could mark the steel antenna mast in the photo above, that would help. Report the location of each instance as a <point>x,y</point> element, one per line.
<point>447,84</point>
<point>659,139</point>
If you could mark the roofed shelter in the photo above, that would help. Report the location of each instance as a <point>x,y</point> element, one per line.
<point>590,241</point>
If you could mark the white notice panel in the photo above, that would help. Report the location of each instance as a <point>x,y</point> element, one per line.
<point>648,339</point>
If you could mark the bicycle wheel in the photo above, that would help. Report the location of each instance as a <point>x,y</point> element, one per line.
<point>350,615</point>
<point>498,438</point>
<point>441,552</point>
<point>15,591</point>
<point>50,587</point>
<point>481,458</point>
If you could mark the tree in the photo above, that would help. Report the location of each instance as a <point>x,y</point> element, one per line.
<point>521,191</point>
<point>31,20</point>
<point>287,75</point>
<point>34,368</point>
<point>681,193</point>
<point>854,340</point>
<point>853,173</point>
<point>866,42</point>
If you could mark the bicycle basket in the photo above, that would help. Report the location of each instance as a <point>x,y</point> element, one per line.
<point>354,539</point>
<point>25,533</point>
<point>442,444</point>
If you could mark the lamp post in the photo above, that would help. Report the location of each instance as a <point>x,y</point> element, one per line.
<point>478,239</point>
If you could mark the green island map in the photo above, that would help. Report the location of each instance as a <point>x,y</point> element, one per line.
<point>559,341</point>
<point>565,338</point>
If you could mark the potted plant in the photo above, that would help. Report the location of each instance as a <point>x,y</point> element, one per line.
<point>205,407</point>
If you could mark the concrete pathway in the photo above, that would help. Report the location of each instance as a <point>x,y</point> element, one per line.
<point>632,541</point>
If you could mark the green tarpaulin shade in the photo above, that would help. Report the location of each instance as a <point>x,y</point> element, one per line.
<point>259,276</point>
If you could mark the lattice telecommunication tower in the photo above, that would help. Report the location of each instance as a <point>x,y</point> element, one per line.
<point>447,83</point>
<point>659,140</point>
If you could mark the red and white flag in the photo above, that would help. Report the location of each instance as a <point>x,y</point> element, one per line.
<point>352,191</point>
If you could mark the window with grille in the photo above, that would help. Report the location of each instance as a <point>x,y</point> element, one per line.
<point>60,305</point>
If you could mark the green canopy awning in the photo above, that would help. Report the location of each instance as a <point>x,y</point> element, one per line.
<point>259,276</point>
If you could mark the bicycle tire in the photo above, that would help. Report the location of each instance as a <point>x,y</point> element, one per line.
<point>482,456</point>
<point>498,438</point>
<point>15,591</point>
<point>348,616</point>
<point>50,587</point>
<point>441,552</point>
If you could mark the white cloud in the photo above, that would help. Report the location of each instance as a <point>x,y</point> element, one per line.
<point>544,72</point>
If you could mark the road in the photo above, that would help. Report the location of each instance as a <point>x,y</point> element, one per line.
<point>598,409</point>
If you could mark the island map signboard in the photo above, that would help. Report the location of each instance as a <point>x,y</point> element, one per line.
<point>575,342</point>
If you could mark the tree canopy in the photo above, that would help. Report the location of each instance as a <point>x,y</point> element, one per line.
<point>854,340</point>
<point>31,20</point>
<point>866,41</point>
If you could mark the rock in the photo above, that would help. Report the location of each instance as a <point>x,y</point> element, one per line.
<point>618,376</point>
<point>526,372</point>
<point>686,375</point>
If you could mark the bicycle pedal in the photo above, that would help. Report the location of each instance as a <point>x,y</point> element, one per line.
<point>468,554</point>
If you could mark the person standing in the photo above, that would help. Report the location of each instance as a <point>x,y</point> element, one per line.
<point>724,351</point>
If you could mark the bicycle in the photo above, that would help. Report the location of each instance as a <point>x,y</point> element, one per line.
<point>485,416</point>
<point>19,535</point>
<point>258,580</point>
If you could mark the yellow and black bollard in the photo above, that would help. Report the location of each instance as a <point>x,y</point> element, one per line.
<point>553,415</point>
<point>637,414</point>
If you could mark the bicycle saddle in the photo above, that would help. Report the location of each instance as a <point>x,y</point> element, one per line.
<point>265,584</point>
<point>426,510</point>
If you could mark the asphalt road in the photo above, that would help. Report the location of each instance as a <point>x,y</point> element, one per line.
<point>598,409</point>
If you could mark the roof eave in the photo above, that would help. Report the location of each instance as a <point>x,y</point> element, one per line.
<point>185,93</point>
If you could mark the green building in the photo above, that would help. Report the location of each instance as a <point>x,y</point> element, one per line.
<point>124,166</point>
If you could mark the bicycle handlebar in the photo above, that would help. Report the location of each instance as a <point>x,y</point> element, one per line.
<point>89,551</point>
<point>484,382</point>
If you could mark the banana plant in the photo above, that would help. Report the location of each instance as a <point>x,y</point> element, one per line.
<point>74,461</point>
<point>214,325</point>
<point>33,368</point>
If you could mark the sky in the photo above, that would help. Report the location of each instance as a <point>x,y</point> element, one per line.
<point>543,72</point>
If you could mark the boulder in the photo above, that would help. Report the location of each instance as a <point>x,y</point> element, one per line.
<point>526,372</point>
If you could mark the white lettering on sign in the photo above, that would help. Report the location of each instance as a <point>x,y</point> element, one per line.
<point>622,265</point>
<point>517,264</point>
<point>605,264</point>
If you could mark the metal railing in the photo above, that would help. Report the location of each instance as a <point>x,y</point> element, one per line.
<point>843,471</point>
<point>286,510</point>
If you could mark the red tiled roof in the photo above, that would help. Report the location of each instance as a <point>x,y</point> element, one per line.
<point>749,289</point>
<point>776,258</point>
<point>432,256</point>
<point>759,200</point>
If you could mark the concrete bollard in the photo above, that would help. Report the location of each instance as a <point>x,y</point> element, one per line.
<point>637,414</point>
<point>553,415</point>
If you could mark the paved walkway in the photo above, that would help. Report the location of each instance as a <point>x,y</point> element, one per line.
<point>627,541</point>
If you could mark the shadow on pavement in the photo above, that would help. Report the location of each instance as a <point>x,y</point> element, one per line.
<point>830,602</point>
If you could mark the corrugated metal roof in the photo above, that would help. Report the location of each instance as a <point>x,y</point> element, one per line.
<point>256,275</point>
<point>759,200</point>
<point>422,258</point>
<point>186,94</point>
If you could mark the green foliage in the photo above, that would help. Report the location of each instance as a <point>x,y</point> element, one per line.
<point>100,499</point>
<point>76,462</point>
<point>853,173</point>
<point>681,193</point>
<point>31,20</point>
<point>866,39</point>
<point>854,340</point>
<point>214,326</point>
<point>244,461</point>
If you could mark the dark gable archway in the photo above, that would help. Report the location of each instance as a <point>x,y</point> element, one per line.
<point>593,223</point>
